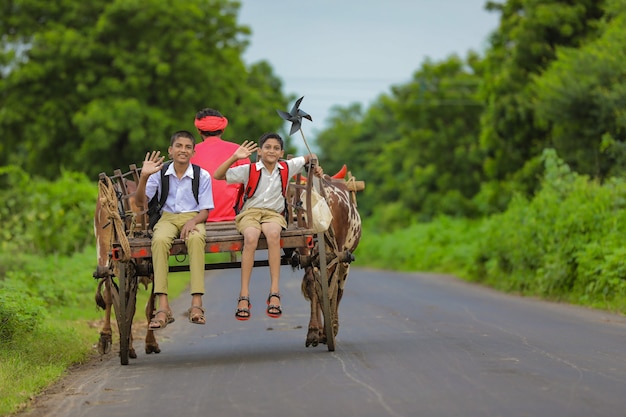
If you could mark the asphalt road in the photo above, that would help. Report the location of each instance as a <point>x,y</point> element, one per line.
<point>409,345</point>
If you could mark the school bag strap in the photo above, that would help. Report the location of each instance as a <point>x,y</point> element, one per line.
<point>165,184</point>
<point>254,177</point>
<point>155,205</point>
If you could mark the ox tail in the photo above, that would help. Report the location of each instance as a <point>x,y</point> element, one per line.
<point>99,298</point>
<point>100,301</point>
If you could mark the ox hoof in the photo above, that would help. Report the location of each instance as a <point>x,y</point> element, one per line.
<point>104,344</point>
<point>152,349</point>
<point>132,354</point>
<point>312,343</point>
<point>312,337</point>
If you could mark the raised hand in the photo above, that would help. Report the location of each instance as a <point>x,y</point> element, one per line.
<point>246,149</point>
<point>153,163</point>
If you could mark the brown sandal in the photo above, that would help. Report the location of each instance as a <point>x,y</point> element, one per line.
<point>158,324</point>
<point>196,318</point>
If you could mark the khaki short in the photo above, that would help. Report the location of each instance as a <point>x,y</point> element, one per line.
<point>254,217</point>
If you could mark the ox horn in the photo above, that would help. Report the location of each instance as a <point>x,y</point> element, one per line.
<point>341,174</point>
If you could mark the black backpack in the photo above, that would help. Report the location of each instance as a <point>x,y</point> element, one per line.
<point>156,204</point>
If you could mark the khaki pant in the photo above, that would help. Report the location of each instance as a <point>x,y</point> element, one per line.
<point>165,231</point>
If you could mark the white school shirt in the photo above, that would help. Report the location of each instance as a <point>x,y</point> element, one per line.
<point>180,198</point>
<point>269,193</point>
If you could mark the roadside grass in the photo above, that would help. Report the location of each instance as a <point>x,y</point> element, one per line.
<point>67,329</point>
<point>31,363</point>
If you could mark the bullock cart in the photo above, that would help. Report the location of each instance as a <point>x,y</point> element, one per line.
<point>129,259</point>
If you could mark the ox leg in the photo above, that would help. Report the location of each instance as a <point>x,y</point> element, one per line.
<point>320,320</point>
<point>339,275</point>
<point>151,344</point>
<point>105,301</point>
<point>336,310</point>
<point>131,350</point>
<point>314,331</point>
<point>337,285</point>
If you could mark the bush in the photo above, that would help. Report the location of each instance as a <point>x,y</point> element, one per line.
<point>46,217</point>
<point>565,243</point>
<point>41,219</point>
<point>19,314</point>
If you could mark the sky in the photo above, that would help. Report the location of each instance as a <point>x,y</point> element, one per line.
<point>337,52</point>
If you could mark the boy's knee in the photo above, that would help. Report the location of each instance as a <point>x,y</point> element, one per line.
<point>161,240</point>
<point>195,239</point>
<point>272,235</point>
<point>250,242</point>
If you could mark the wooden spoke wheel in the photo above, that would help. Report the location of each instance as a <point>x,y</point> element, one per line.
<point>326,310</point>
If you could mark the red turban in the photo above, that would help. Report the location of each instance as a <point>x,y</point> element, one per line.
<point>211,123</point>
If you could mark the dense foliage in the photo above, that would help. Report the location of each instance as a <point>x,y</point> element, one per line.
<point>465,135</point>
<point>45,217</point>
<point>91,86</point>
<point>563,244</point>
<point>581,99</point>
<point>525,44</point>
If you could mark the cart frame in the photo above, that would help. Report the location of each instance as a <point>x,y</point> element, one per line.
<point>130,257</point>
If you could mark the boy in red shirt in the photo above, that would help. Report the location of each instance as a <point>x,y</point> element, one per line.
<point>209,154</point>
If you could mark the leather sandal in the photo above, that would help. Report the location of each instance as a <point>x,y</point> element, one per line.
<point>196,318</point>
<point>243,314</point>
<point>158,324</point>
<point>274,310</point>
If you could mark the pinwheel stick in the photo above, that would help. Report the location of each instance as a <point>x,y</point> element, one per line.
<point>305,142</point>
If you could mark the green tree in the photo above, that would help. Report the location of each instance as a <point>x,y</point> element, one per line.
<point>581,99</point>
<point>355,139</point>
<point>91,86</point>
<point>525,43</point>
<point>438,116</point>
<point>417,149</point>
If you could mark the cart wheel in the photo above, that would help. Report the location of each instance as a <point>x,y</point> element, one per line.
<point>328,316</point>
<point>124,299</point>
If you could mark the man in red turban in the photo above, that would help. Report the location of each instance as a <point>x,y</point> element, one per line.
<point>210,154</point>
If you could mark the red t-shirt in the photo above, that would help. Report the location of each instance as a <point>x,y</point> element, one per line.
<point>209,155</point>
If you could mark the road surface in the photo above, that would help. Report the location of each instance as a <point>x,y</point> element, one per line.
<point>409,345</point>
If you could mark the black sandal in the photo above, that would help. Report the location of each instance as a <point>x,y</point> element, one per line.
<point>243,314</point>
<point>274,311</point>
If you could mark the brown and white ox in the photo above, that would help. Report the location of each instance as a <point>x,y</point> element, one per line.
<point>341,238</point>
<point>104,230</point>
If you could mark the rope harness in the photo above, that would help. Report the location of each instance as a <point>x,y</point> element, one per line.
<point>109,202</point>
